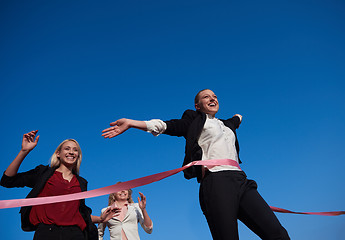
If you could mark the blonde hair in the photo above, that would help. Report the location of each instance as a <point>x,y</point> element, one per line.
<point>111,198</point>
<point>55,161</point>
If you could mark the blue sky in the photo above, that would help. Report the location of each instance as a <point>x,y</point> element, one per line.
<point>69,68</point>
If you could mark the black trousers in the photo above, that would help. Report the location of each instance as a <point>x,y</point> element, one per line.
<point>54,232</point>
<point>226,196</point>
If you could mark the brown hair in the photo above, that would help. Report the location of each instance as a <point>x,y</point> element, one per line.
<point>196,99</point>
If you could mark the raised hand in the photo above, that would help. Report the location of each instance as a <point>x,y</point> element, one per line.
<point>118,127</point>
<point>29,142</point>
<point>109,213</point>
<point>142,205</point>
<point>142,201</point>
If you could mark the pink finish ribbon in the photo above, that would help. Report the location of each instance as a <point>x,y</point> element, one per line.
<point>110,189</point>
<point>334,213</point>
<point>133,184</point>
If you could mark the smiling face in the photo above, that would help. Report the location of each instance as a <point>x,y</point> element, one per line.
<point>68,154</point>
<point>121,195</point>
<point>207,102</point>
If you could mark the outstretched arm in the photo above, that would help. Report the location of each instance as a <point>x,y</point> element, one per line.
<point>122,125</point>
<point>29,142</point>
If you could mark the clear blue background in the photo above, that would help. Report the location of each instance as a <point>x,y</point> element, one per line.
<point>69,68</point>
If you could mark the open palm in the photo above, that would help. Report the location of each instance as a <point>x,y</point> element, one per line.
<point>29,141</point>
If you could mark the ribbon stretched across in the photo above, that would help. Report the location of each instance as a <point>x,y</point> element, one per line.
<point>133,184</point>
<point>334,213</point>
<point>109,189</point>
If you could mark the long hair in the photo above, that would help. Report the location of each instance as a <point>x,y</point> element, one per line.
<point>111,198</point>
<point>55,161</point>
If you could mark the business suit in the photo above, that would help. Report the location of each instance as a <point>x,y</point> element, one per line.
<point>190,127</point>
<point>224,196</point>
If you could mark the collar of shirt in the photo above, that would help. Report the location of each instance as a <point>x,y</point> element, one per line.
<point>209,116</point>
<point>124,210</point>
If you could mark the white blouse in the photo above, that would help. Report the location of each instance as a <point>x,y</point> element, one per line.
<point>216,140</point>
<point>129,224</point>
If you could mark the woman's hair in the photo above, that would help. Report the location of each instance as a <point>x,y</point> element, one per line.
<point>55,161</point>
<point>196,99</point>
<point>111,198</point>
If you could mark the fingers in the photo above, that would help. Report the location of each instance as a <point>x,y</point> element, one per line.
<point>107,129</point>
<point>114,209</point>
<point>106,134</point>
<point>30,136</point>
<point>111,132</point>
<point>114,123</point>
<point>117,210</point>
<point>142,201</point>
<point>109,213</point>
<point>105,213</point>
<point>142,196</point>
<point>117,127</point>
<point>107,210</point>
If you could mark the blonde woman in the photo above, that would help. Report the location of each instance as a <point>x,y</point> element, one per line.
<point>125,225</point>
<point>63,220</point>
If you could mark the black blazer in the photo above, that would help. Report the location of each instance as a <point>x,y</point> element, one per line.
<point>36,179</point>
<point>190,127</point>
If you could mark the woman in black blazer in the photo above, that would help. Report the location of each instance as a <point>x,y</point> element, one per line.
<point>225,192</point>
<point>67,220</point>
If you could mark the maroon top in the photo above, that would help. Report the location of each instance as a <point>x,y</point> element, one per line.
<point>61,213</point>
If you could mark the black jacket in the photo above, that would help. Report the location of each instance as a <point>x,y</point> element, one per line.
<point>36,179</point>
<point>190,127</point>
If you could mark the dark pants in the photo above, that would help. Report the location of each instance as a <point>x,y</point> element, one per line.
<point>227,196</point>
<point>54,232</point>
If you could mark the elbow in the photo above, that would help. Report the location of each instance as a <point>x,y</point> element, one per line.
<point>148,229</point>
